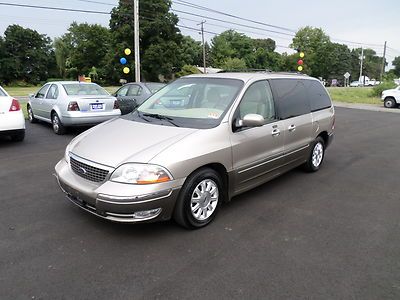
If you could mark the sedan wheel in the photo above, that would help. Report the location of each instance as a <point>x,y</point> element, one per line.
<point>31,117</point>
<point>389,103</point>
<point>58,127</point>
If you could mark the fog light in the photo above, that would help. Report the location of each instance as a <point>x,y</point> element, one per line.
<point>144,214</point>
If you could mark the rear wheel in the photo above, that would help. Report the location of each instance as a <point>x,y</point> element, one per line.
<point>390,102</point>
<point>18,137</point>
<point>199,199</point>
<point>31,116</point>
<point>58,127</point>
<point>316,156</point>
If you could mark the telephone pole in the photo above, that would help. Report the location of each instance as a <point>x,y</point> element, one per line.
<point>136,39</point>
<point>383,61</point>
<point>204,46</point>
<point>361,64</point>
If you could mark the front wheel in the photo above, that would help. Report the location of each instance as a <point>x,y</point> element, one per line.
<point>31,116</point>
<point>58,127</point>
<point>390,103</point>
<point>316,156</point>
<point>199,199</point>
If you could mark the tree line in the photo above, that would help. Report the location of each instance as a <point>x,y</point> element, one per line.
<point>28,57</point>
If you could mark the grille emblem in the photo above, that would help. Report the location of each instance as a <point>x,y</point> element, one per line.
<point>82,171</point>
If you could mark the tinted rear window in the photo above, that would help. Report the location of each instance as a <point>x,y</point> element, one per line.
<point>84,89</point>
<point>319,98</point>
<point>291,96</point>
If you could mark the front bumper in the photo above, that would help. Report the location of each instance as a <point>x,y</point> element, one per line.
<point>127,204</point>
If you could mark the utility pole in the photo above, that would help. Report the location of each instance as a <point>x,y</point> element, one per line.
<point>136,39</point>
<point>361,64</point>
<point>383,61</point>
<point>204,46</point>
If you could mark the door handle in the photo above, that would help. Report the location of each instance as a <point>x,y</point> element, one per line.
<point>292,128</point>
<point>276,132</point>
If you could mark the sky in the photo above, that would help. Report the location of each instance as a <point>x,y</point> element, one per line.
<point>368,21</point>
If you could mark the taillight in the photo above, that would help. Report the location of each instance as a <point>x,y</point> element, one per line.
<point>73,106</point>
<point>15,105</point>
<point>116,104</point>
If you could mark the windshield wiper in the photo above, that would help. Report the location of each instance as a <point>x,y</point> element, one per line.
<point>161,117</point>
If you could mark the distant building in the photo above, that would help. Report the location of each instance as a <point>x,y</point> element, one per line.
<point>209,70</point>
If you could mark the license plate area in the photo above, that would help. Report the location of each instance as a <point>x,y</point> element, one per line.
<point>97,106</point>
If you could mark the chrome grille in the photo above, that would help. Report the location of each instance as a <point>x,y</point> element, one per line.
<point>87,171</point>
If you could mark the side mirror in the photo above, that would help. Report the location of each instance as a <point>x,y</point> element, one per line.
<point>31,95</point>
<point>252,120</point>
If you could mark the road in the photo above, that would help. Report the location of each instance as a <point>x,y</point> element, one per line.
<point>334,234</point>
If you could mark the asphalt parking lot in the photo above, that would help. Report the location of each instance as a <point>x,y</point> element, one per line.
<point>334,234</point>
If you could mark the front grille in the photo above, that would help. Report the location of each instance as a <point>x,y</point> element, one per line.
<point>87,171</point>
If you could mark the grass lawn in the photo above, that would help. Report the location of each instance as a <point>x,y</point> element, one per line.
<point>25,91</point>
<point>353,95</point>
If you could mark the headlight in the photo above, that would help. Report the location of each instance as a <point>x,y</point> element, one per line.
<point>140,174</point>
<point>67,151</point>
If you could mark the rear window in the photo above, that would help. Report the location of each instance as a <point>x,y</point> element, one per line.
<point>317,95</point>
<point>154,87</point>
<point>2,93</point>
<point>73,89</point>
<point>291,97</point>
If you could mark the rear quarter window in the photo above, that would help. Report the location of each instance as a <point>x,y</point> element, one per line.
<point>291,97</point>
<point>317,95</point>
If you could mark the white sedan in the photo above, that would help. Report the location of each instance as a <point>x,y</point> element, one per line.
<point>12,121</point>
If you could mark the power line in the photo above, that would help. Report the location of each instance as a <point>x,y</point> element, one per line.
<point>196,6</point>
<point>55,8</point>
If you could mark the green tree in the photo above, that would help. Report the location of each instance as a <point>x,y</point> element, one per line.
<point>84,46</point>
<point>161,40</point>
<point>191,51</point>
<point>234,64</point>
<point>187,70</point>
<point>396,64</point>
<point>27,55</point>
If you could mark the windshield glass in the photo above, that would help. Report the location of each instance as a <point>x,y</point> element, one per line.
<point>2,93</point>
<point>84,89</point>
<point>154,86</point>
<point>193,102</point>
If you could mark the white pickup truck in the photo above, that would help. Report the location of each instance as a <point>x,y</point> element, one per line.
<point>391,98</point>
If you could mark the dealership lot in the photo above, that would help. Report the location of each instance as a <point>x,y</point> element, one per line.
<point>331,234</point>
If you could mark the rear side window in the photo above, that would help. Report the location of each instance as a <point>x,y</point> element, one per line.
<point>291,96</point>
<point>319,98</point>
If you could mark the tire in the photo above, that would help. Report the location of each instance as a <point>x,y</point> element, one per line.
<point>18,137</point>
<point>206,185</point>
<point>316,156</point>
<point>58,127</point>
<point>31,116</point>
<point>390,102</point>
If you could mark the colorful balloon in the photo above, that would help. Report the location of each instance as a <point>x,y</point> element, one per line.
<point>123,61</point>
<point>300,68</point>
<point>126,70</point>
<point>128,51</point>
<point>301,54</point>
<point>300,62</point>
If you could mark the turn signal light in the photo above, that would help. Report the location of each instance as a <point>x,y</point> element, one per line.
<point>15,105</point>
<point>116,104</point>
<point>73,106</point>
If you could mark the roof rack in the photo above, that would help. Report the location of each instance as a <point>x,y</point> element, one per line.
<point>262,71</point>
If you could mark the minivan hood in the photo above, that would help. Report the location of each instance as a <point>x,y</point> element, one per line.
<point>120,141</point>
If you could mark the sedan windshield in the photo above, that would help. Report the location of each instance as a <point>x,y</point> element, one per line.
<point>192,102</point>
<point>154,86</point>
<point>91,89</point>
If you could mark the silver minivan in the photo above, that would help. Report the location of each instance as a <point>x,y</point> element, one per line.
<point>199,141</point>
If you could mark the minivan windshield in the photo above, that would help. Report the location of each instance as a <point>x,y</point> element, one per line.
<point>191,102</point>
<point>84,89</point>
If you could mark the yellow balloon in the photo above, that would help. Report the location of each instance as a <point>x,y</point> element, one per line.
<point>301,54</point>
<point>126,70</point>
<point>300,68</point>
<point>127,51</point>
